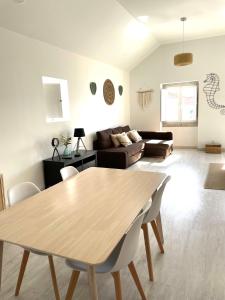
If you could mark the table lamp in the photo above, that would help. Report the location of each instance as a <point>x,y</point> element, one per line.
<point>79,133</point>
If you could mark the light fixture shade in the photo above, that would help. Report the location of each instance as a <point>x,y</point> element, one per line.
<point>79,132</point>
<point>183,59</point>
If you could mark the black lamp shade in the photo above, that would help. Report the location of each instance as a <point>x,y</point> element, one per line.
<point>79,132</point>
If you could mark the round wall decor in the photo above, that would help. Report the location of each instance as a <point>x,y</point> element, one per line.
<point>120,88</point>
<point>109,92</point>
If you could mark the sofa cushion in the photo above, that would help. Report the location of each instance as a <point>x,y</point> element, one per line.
<point>158,143</point>
<point>156,135</point>
<point>134,136</point>
<point>131,150</point>
<point>104,138</point>
<point>117,130</point>
<point>124,139</point>
<point>115,140</point>
<point>126,128</point>
<point>158,147</point>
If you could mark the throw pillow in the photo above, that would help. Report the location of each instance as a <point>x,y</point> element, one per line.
<point>124,139</point>
<point>134,136</point>
<point>115,140</point>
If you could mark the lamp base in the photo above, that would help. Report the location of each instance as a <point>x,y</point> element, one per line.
<point>78,146</point>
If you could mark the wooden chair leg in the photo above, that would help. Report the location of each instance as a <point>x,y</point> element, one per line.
<point>72,285</point>
<point>117,282</point>
<point>137,280</point>
<point>26,254</point>
<point>53,275</point>
<point>159,226</point>
<point>148,251</point>
<point>157,235</point>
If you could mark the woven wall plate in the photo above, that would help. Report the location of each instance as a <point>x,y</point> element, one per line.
<point>109,92</point>
<point>120,88</point>
<point>93,88</point>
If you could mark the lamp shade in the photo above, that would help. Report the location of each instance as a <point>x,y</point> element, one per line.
<point>79,132</point>
<point>183,59</point>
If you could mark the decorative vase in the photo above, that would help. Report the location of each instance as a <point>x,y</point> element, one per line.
<point>67,152</point>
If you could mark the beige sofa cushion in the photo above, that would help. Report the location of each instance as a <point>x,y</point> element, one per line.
<point>134,136</point>
<point>115,140</point>
<point>124,139</point>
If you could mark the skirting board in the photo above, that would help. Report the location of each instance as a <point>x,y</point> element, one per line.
<point>185,147</point>
<point>192,147</point>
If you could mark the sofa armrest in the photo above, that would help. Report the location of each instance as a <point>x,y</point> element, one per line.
<point>153,135</point>
<point>95,145</point>
<point>111,159</point>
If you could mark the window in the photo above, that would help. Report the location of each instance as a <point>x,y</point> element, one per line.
<point>179,104</point>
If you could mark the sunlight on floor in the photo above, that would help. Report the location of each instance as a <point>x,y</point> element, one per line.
<point>184,184</point>
<point>158,162</point>
<point>168,161</point>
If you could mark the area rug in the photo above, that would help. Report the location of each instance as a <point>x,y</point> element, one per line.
<point>215,179</point>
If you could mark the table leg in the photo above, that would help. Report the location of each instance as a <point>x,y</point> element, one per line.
<point>92,283</point>
<point>159,225</point>
<point>1,260</point>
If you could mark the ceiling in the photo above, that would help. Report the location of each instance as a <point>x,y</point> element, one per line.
<point>108,30</point>
<point>204,18</point>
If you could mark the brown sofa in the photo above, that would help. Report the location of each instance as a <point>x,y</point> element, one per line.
<point>152,144</point>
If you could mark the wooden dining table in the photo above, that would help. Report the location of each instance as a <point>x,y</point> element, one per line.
<point>82,218</point>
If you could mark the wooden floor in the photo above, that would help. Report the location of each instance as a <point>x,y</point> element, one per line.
<point>193,266</point>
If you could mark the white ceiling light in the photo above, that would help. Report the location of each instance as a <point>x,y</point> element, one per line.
<point>143,19</point>
<point>184,58</point>
<point>137,30</point>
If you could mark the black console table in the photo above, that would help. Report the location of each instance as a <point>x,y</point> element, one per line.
<point>52,167</point>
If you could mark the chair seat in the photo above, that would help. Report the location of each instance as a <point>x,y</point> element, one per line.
<point>105,267</point>
<point>79,266</point>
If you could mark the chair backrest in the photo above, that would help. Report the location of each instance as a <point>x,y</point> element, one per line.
<point>21,191</point>
<point>68,172</point>
<point>127,247</point>
<point>154,209</point>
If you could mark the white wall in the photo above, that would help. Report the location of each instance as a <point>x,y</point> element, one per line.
<point>25,135</point>
<point>158,68</point>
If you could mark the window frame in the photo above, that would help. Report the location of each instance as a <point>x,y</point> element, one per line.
<point>181,123</point>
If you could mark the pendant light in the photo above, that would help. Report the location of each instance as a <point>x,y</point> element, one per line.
<point>183,59</point>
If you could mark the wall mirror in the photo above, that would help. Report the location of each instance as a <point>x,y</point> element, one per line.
<point>56,99</point>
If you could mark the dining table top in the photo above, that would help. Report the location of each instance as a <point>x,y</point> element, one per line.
<point>82,218</point>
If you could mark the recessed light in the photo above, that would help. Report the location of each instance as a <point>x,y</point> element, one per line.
<point>143,19</point>
<point>137,30</point>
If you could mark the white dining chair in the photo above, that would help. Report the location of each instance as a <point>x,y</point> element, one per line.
<point>122,256</point>
<point>150,217</point>
<point>16,194</point>
<point>68,172</point>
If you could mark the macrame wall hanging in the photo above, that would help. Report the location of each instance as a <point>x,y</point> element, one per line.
<point>144,97</point>
<point>212,86</point>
